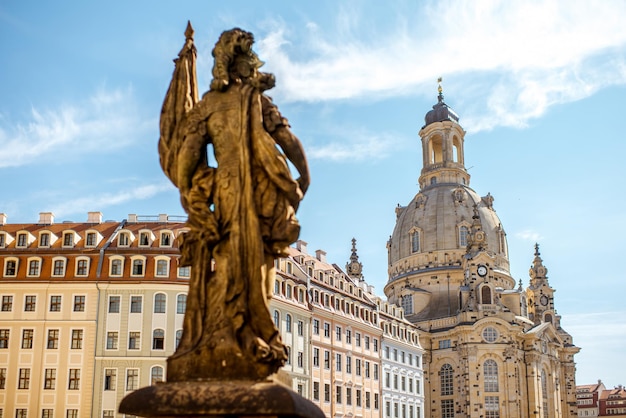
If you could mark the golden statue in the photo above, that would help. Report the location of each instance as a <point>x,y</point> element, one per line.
<point>241,213</point>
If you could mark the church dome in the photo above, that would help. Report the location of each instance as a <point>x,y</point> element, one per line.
<point>432,231</point>
<point>440,112</point>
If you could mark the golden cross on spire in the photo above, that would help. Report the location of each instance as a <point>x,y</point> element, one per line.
<point>439,88</point>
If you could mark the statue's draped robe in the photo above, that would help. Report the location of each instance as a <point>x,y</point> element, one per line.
<point>241,216</point>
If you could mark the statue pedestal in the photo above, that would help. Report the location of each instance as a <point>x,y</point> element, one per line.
<point>214,398</point>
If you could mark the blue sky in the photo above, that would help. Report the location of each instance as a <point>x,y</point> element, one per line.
<point>540,87</point>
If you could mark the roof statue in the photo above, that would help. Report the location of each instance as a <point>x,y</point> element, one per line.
<point>241,217</point>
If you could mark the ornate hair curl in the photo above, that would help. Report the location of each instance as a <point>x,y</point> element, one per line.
<point>229,45</point>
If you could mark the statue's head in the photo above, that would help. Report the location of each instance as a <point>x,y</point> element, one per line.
<point>235,62</point>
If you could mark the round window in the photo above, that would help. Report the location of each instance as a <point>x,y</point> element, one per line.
<point>490,334</point>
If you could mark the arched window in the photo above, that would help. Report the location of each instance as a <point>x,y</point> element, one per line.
<point>433,180</point>
<point>137,267</point>
<point>415,241</point>
<point>156,375</point>
<point>446,377</point>
<point>179,335</point>
<point>277,319</point>
<point>548,318</point>
<point>288,323</point>
<point>158,339</point>
<point>490,370</point>
<point>463,231</point>
<point>160,300</point>
<point>544,394</point>
<point>485,293</point>
<point>116,267</point>
<point>181,303</point>
<point>407,304</point>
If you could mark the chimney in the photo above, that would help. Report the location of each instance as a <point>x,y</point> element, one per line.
<point>46,218</point>
<point>3,218</point>
<point>163,217</point>
<point>301,246</point>
<point>320,255</point>
<point>132,217</point>
<point>94,217</point>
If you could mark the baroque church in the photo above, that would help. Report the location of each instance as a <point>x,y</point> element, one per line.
<point>491,347</point>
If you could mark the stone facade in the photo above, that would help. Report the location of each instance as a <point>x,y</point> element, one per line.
<point>492,348</point>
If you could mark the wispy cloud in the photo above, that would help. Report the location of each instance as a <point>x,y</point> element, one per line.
<point>355,146</point>
<point>515,59</point>
<point>106,121</point>
<point>528,235</point>
<point>105,200</point>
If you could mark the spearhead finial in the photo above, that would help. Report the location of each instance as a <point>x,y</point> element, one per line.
<point>440,89</point>
<point>189,31</point>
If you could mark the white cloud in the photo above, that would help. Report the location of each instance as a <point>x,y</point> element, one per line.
<point>515,58</point>
<point>108,199</point>
<point>528,235</point>
<point>106,121</point>
<point>355,146</point>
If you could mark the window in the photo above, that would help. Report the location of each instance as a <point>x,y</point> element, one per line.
<point>123,239</point>
<point>376,401</point>
<point>68,239</point>
<point>72,413</point>
<point>338,333</point>
<point>544,394</point>
<point>79,303</point>
<point>463,232</point>
<point>326,330</point>
<point>444,344</point>
<point>90,240</point>
<point>348,396</point>
<point>82,267</point>
<point>134,340</point>
<point>156,375</point>
<point>184,271</point>
<point>166,239</point>
<point>338,394</point>
<point>387,379</point>
<point>181,304</point>
<point>160,300</point>
<point>33,268</point>
<point>288,290</point>
<point>375,341</point>
<point>44,239</point>
<point>326,392</point>
<point>316,327</point>
<point>358,367</point>
<point>27,338</point>
<point>137,267</point>
<point>49,380</point>
<point>492,407</point>
<point>348,363</point>
<point>447,408</point>
<point>74,379</point>
<point>348,336</point>
<point>135,304</point>
<point>357,339</point>
<point>2,240</point>
<point>7,303</point>
<point>58,268</point>
<point>316,391</point>
<point>158,339</point>
<point>368,400</point>
<point>415,241</point>
<point>407,304</point>
<point>300,328</point>
<point>300,359</point>
<point>490,334</point>
<point>375,371</point>
<point>10,268</point>
<point>277,319</point>
<point>112,340</point>
<point>338,361</point>
<point>367,342</point>
<point>358,397</point>
<point>47,413</point>
<point>486,295</point>
<point>144,239</point>
<point>288,323</point>
<point>367,369</point>
<point>21,240</point>
<point>55,303</point>
<point>77,339</point>
<point>53,339</point>
<point>116,267</point>
<point>132,379</point>
<point>316,357</point>
<point>109,413</point>
<point>24,379</point>
<point>21,413</point>
<point>162,268</point>
<point>327,359</point>
<point>179,335</point>
<point>30,303</point>
<point>446,378</point>
<point>114,304</point>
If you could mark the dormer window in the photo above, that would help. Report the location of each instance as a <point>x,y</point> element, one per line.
<point>2,240</point>
<point>44,239</point>
<point>68,239</point>
<point>21,240</point>
<point>123,239</point>
<point>145,238</point>
<point>166,239</point>
<point>138,268</point>
<point>91,239</point>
